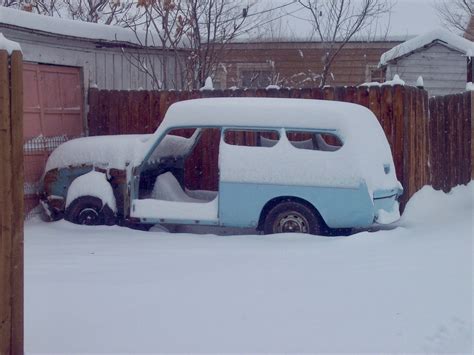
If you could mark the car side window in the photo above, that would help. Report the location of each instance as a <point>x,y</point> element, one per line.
<point>322,141</point>
<point>251,138</point>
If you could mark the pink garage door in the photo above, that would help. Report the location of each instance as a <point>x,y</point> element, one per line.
<point>53,113</point>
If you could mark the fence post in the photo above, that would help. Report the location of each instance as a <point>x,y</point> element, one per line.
<point>472,134</point>
<point>11,202</point>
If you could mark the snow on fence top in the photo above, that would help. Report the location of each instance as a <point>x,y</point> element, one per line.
<point>65,27</point>
<point>9,46</point>
<point>449,39</point>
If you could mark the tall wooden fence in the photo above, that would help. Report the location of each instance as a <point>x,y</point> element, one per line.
<point>11,203</point>
<point>401,110</point>
<point>451,133</point>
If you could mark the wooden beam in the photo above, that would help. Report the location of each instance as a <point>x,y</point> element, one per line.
<point>472,135</point>
<point>6,208</point>
<point>11,202</point>
<point>16,110</point>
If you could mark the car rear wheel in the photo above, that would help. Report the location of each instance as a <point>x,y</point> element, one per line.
<point>292,217</point>
<point>89,210</point>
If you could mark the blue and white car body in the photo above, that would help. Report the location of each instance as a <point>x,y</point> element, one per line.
<point>354,185</point>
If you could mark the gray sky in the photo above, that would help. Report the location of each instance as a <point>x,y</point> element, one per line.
<point>407,19</point>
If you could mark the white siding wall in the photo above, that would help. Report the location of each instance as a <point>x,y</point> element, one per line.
<point>444,70</point>
<point>108,68</point>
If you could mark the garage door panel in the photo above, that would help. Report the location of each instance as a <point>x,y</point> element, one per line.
<point>53,114</point>
<point>49,85</point>
<point>72,98</point>
<point>73,124</point>
<point>32,124</point>
<point>52,124</point>
<point>30,88</point>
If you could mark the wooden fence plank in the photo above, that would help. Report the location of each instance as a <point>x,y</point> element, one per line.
<point>433,120</point>
<point>468,129</point>
<point>417,146</point>
<point>11,202</point>
<point>6,209</point>
<point>386,114</point>
<point>17,199</point>
<point>374,101</point>
<point>363,96</point>
<point>92,118</point>
<point>398,132</point>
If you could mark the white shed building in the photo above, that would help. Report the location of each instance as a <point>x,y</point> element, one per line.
<point>106,55</point>
<point>62,60</point>
<point>440,57</point>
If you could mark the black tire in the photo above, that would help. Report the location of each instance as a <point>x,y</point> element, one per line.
<point>88,210</point>
<point>292,217</point>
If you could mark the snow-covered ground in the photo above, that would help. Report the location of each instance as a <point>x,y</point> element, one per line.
<point>111,289</point>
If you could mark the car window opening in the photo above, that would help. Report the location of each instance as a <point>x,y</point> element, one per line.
<point>325,142</point>
<point>251,138</point>
<point>174,174</point>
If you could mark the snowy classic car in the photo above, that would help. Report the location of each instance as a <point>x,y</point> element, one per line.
<point>306,166</point>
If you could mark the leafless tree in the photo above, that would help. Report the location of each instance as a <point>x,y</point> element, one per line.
<point>159,23</point>
<point>43,7</point>
<point>336,22</point>
<point>204,27</point>
<point>456,14</point>
<point>100,11</point>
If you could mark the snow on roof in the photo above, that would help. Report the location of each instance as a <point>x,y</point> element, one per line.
<point>447,38</point>
<point>65,27</point>
<point>8,45</point>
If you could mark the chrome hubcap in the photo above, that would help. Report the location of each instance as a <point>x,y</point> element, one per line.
<point>291,223</point>
<point>88,216</point>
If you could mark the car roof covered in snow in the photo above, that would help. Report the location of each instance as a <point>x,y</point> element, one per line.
<point>268,112</point>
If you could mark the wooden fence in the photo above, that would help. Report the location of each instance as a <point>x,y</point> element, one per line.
<point>11,203</point>
<point>451,132</point>
<point>401,110</point>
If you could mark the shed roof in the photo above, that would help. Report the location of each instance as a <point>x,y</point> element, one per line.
<point>442,36</point>
<point>68,28</point>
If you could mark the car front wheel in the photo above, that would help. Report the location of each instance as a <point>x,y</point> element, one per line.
<point>292,217</point>
<point>89,210</point>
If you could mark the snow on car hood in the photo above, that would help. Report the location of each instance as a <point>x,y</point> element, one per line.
<point>114,151</point>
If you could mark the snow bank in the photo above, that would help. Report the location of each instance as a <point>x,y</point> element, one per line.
<point>93,184</point>
<point>427,202</point>
<point>444,36</point>
<point>8,45</point>
<point>117,290</point>
<point>71,28</point>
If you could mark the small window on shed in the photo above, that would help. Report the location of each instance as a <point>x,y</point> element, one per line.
<point>251,138</point>
<point>325,142</point>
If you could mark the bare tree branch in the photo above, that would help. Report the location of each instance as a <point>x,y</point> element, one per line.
<point>456,15</point>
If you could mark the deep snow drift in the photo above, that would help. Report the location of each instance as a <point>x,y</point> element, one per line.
<point>111,289</point>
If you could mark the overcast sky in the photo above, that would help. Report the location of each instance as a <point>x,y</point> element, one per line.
<point>407,19</point>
